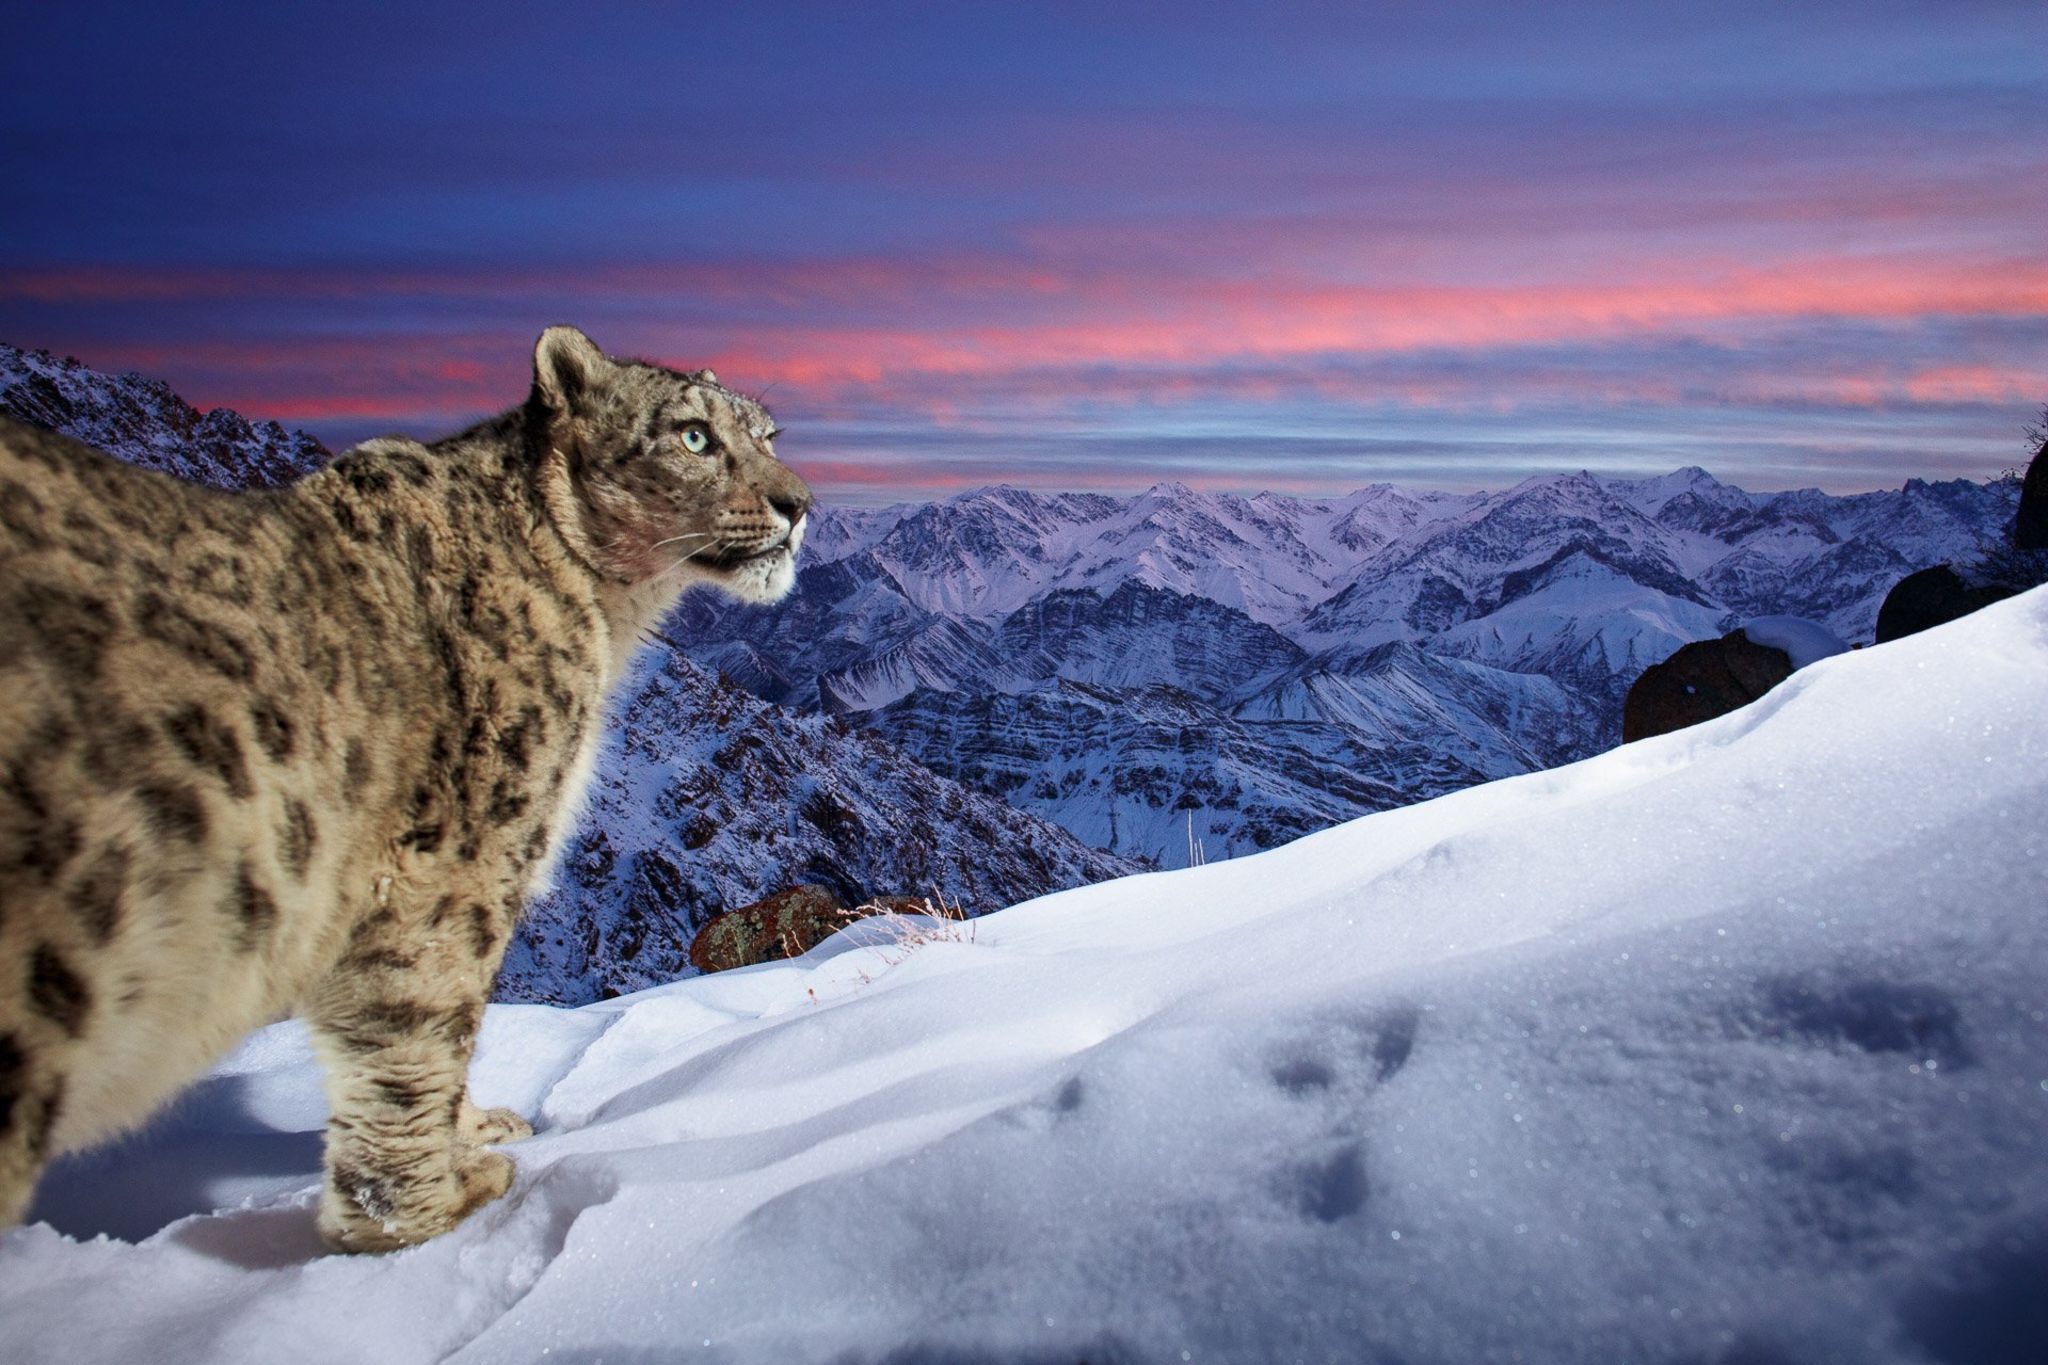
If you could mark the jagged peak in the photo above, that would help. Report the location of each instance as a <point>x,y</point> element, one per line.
<point>1556,478</point>
<point>147,422</point>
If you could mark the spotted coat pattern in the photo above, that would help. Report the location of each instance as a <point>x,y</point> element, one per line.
<point>306,749</point>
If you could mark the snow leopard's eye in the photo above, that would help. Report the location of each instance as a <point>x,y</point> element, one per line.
<point>696,439</point>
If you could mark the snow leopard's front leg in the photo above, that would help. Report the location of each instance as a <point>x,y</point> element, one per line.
<point>395,1022</point>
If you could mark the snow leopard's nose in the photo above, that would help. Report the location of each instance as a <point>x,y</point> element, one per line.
<point>791,497</point>
<point>791,505</point>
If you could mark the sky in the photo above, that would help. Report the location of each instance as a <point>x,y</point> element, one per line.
<point>1085,246</point>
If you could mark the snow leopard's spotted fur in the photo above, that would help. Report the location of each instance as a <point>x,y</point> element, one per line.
<point>306,749</point>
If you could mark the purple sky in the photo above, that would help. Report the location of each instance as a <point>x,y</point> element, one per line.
<point>1300,247</point>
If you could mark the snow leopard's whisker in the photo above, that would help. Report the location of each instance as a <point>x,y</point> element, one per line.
<point>691,535</point>
<point>720,543</point>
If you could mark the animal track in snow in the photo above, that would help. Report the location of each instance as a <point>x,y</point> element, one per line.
<point>1331,1187</point>
<point>1374,1047</point>
<point>1869,1014</point>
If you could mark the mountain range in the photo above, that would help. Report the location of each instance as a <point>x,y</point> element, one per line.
<point>1008,692</point>
<point>1183,674</point>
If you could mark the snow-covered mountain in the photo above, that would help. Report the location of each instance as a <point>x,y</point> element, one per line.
<point>1727,1046</point>
<point>707,799</point>
<point>1183,674</point>
<point>142,420</point>
<point>1245,669</point>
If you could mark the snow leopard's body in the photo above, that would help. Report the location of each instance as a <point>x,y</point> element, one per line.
<point>304,750</point>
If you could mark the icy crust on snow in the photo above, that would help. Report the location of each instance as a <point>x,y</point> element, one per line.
<point>1728,1045</point>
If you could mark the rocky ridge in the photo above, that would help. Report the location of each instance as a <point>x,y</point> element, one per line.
<point>708,798</point>
<point>144,422</point>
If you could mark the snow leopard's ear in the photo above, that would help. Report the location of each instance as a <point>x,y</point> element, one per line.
<point>566,363</point>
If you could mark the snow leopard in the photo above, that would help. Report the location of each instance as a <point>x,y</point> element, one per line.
<point>306,750</point>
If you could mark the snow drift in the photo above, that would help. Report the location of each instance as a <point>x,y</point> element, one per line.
<point>1730,1045</point>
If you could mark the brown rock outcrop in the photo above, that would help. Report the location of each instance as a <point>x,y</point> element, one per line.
<point>787,924</point>
<point>1705,679</point>
<point>1932,597</point>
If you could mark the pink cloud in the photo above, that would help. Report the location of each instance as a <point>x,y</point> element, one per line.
<point>944,328</point>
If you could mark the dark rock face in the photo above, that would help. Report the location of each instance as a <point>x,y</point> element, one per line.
<point>1701,681</point>
<point>2030,527</point>
<point>1933,597</point>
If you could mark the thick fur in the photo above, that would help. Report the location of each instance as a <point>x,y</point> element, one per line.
<point>305,750</point>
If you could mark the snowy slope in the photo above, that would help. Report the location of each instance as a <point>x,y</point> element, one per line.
<point>1724,1046</point>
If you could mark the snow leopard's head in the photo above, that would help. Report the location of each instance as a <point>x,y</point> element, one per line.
<point>664,474</point>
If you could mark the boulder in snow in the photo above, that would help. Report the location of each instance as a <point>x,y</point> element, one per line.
<point>1933,597</point>
<point>1710,678</point>
<point>1705,679</point>
<point>787,924</point>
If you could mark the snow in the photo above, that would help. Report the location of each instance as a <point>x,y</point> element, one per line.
<point>1584,614</point>
<point>1726,1045</point>
<point>1803,641</point>
<point>948,624</point>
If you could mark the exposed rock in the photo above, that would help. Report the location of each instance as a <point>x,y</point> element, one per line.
<point>1933,597</point>
<point>787,924</point>
<point>1705,679</point>
<point>2030,526</point>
